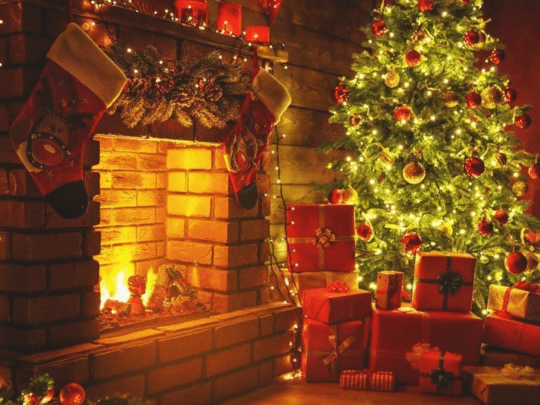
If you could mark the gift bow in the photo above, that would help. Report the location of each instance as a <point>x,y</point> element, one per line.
<point>516,372</point>
<point>522,285</point>
<point>450,281</point>
<point>337,350</point>
<point>440,378</point>
<point>337,287</point>
<point>323,237</point>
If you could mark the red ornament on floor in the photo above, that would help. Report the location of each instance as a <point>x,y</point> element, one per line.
<point>425,5</point>
<point>474,167</point>
<point>473,99</point>
<point>523,121</point>
<point>501,216</point>
<point>413,58</point>
<point>412,242</point>
<point>497,56</point>
<point>471,38</point>
<point>484,227</point>
<point>72,394</point>
<point>340,94</point>
<point>378,27</point>
<point>364,231</point>
<point>515,263</point>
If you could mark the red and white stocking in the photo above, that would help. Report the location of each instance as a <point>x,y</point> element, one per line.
<point>247,141</point>
<point>50,133</point>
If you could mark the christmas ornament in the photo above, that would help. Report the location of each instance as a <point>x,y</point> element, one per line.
<point>391,79</point>
<point>473,167</point>
<point>355,120</point>
<point>465,2</point>
<point>418,36</point>
<point>50,133</point>
<point>515,263</point>
<point>412,242</point>
<point>364,231</point>
<point>403,113</point>
<point>496,56</point>
<point>500,159</point>
<point>451,99</point>
<point>340,94</point>
<point>413,58</point>
<point>414,172</point>
<point>471,38</point>
<point>425,5</point>
<point>520,188</point>
<point>473,99</point>
<point>501,216</point>
<point>387,157</point>
<point>523,121</point>
<point>509,95</point>
<point>350,196</point>
<point>378,27</point>
<point>335,196</point>
<point>72,394</point>
<point>484,227</point>
<point>532,262</point>
<point>491,96</point>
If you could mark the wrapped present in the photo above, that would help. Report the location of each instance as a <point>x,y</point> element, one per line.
<point>329,349</point>
<point>366,380</point>
<point>389,289</point>
<point>497,357</point>
<point>519,301</point>
<point>441,373</point>
<point>504,331</point>
<point>394,334</point>
<point>321,237</point>
<point>331,305</point>
<point>491,386</point>
<point>443,281</point>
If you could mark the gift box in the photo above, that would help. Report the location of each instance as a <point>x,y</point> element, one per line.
<point>327,350</point>
<point>441,373</point>
<point>193,12</point>
<point>326,305</point>
<point>321,237</point>
<point>497,357</point>
<point>493,388</point>
<point>443,281</point>
<point>507,332</point>
<point>366,380</point>
<point>515,301</point>
<point>389,288</point>
<point>394,333</point>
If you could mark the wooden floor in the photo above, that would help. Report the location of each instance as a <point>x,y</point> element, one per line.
<point>296,392</point>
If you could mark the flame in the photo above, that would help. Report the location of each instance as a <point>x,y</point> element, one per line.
<point>151,278</point>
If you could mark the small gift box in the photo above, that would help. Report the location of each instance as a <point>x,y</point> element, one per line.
<point>507,332</point>
<point>521,301</point>
<point>329,349</point>
<point>440,373</point>
<point>258,33</point>
<point>229,18</point>
<point>193,12</point>
<point>366,380</point>
<point>443,281</point>
<point>389,288</point>
<point>336,303</point>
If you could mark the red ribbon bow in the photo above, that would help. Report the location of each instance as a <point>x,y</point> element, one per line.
<point>522,285</point>
<point>337,287</point>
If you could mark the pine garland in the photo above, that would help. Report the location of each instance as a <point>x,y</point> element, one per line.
<point>205,90</point>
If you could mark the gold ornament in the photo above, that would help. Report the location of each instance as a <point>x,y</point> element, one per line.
<point>355,120</point>
<point>414,172</point>
<point>387,157</point>
<point>491,97</point>
<point>451,99</point>
<point>350,196</point>
<point>520,188</point>
<point>418,36</point>
<point>499,159</point>
<point>532,261</point>
<point>391,79</point>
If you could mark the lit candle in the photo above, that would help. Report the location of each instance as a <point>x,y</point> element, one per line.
<point>229,18</point>
<point>194,12</point>
<point>258,33</point>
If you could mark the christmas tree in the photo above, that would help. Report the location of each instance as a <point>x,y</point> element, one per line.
<point>433,158</point>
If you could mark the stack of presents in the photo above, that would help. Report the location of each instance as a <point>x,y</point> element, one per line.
<point>434,342</point>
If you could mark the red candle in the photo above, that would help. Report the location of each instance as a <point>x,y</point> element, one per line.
<point>258,33</point>
<point>230,18</point>
<point>193,12</point>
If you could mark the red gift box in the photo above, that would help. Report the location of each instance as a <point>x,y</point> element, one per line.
<point>366,380</point>
<point>389,288</point>
<point>394,333</point>
<point>258,33</point>
<point>334,307</point>
<point>441,373</point>
<point>194,12</point>
<point>329,349</point>
<point>443,281</point>
<point>230,18</point>
<point>507,332</point>
<point>321,237</point>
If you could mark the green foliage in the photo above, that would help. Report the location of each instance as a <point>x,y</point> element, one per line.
<point>446,206</point>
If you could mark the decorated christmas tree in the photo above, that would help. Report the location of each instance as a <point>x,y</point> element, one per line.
<point>433,156</point>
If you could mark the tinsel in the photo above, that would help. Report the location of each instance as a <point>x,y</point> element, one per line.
<point>206,90</point>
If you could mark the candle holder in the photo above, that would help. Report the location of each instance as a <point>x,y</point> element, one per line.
<point>258,33</point>
<point>192,12</point>
<point>229,18</point>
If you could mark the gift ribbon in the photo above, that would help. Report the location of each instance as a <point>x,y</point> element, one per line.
<point>442,379</point>
<point>520,285</point>
<point>449,282</point>
<point>337,287</point>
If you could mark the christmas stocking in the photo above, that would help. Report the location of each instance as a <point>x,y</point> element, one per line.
<point>245,144</point>
<point>50,133</point>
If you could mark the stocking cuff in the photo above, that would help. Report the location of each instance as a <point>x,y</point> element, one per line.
<point>77,53</point>
<point>272,93</point>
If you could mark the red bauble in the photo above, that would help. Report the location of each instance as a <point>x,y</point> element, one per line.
<point>471,38</point>
<point>425,5</point>
<point>474,167</point>
<point>501,216</point>
<point>516,263</point>
<point>378,27</point>
<point>523,121</point>
<point>534,171</point>
<point>403,113</point>
<point>412,242</point>
<point>340,94</point>
<point>465,2</point>
<point>497,56</point>
<point>484,227</point>
<point>413,58</point>
<point>364,231</point>
<point>473,99</point>
<point>72,394</point>
<point>335,196</point>
<point>509,95</point>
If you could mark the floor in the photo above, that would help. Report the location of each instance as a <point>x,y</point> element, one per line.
<point>296,392</point>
